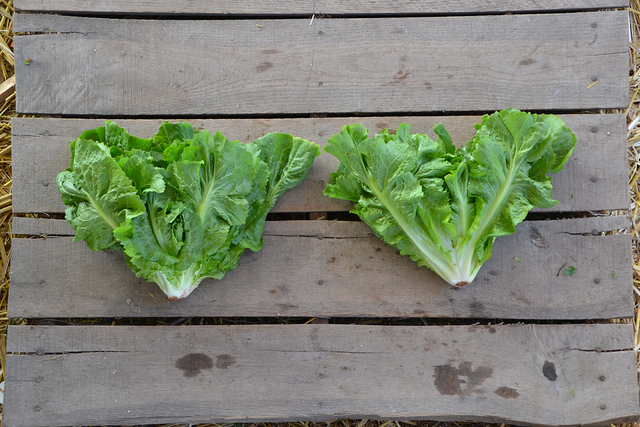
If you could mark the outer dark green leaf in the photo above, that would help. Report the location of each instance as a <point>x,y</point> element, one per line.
<point>145,176</point>
<point>224,178</point>
<point>99,196</point>
<point>288,160</point>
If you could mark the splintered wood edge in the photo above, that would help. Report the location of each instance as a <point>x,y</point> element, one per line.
<point>522,374</point>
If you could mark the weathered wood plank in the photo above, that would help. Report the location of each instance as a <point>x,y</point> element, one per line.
<point>306,7</point>
<point>98,66</point>
<point>330,268</point>
<point>42,227</point>
<point>41,151</point>
<point>546,375</point>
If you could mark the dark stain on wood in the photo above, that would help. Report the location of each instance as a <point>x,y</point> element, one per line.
<point>549,371</point>
<point>264,66</point>
<point>400,78</point>
<point>507,392</point>
<point>527,61</point>
<point>287,306</point>
<point>517,296</point>
<point>476,328</point>
<point>537,239</point>
<point>193,363</point>
<point>449,379</point>
<point>477,308</point>
<point>223,361</point>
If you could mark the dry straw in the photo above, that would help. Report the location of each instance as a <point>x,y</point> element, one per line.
<point>7,110</point>
<point>633,119</point>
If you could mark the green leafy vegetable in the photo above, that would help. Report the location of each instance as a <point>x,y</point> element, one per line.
<point>442,206</point>
<point>570,270</point>
<point>183,205</point>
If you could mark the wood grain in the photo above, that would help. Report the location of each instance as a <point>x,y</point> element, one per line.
<point>332,268</point>
<point>116,67</point>
<point>7,88</point>
<point>546,375</point>
<point>41,150</point>
<point>306,7</point>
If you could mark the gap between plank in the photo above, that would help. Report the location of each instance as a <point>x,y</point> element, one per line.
<point>316,115</point>
<point>224,16</point>
<point>333,320</point>
<point>343,216</point>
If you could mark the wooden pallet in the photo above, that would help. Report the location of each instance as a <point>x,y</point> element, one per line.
<point>524,343</point>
